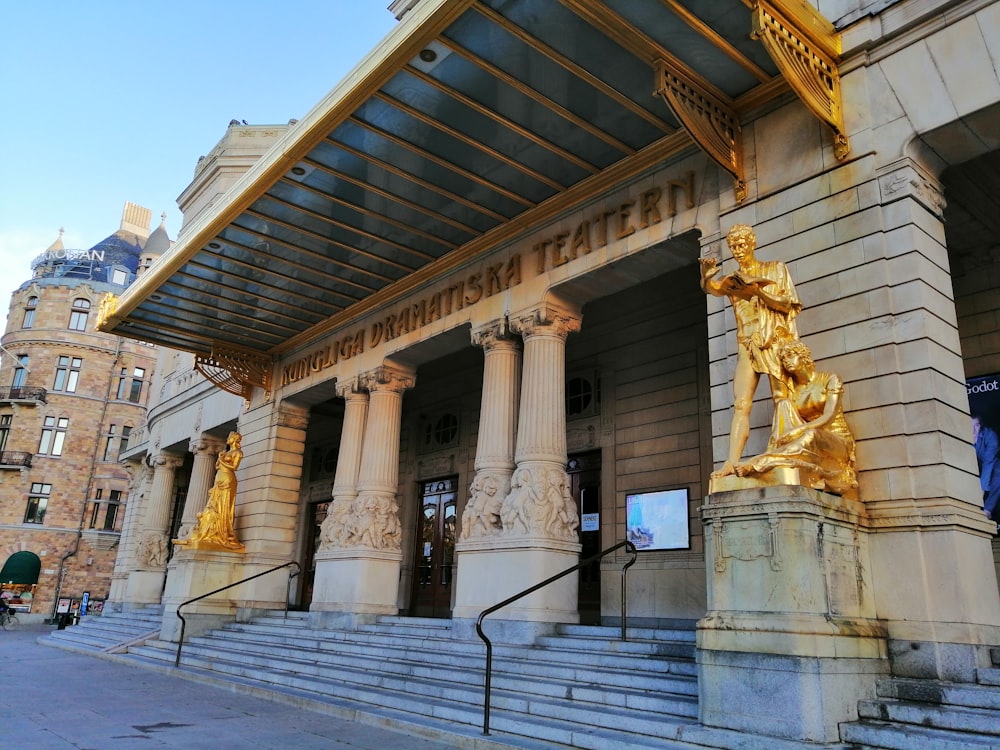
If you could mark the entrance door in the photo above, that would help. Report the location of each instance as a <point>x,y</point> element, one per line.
<point>585,482</point>
<point>434,559</point>
<point>317,514</point>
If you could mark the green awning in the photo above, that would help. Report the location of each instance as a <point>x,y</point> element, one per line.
<point>22,568</point>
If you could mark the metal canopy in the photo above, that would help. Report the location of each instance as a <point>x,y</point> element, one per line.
<point>472,121</point>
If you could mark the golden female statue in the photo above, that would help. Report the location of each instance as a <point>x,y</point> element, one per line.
<point>214,530</point>
<point>810,433</point>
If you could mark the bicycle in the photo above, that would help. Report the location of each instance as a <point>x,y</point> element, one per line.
<point>9,621</point>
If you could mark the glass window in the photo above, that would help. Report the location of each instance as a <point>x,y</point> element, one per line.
<point>5,420</point>
<point>111,514</point>
<point>126,431</point>
<point>67,374</point>
<point>80,313</point>
<point>29,312</point>
<point>53,436</point>
<point>111,443</point>
<point>136,390</point>
<point>38,501</point>
<point>118,276</point>
<point>21,371</point>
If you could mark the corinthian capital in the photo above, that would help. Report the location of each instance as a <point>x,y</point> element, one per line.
<point>547,318</point>
<point>492,335</point>
<point>165,461</point>
<point>388,378</point>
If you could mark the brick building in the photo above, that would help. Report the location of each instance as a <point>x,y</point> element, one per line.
<point>69,399</point>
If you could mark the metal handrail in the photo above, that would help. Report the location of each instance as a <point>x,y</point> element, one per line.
<point>489,644</point>
<point>180,643</point>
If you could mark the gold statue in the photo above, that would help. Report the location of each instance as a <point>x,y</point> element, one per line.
<point>809,432</point>
<point>765,305</point>
<point>214,530</point>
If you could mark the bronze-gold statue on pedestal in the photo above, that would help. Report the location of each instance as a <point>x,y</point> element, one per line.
<point>810,444</point>
<point>214,530</point>
<point>765,304</point>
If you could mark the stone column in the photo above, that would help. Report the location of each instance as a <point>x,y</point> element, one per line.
<point>481,527</point>
<point>145,584</point>
<point>140,477</point>
<point>364,572</point>
<point>205,450</point>
<point>335,529</point>
<point>538,516</point>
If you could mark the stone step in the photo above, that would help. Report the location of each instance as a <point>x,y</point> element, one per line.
<point>105,631</point>
<point>433,662</point>
<point>378,641</point>
<point>990,676</point>
<point>870,734</point>
<point>939,692</point>
<point>680,634</point>
<point>635,647</point>
<point>441,698</point>
<point>976,720</point>
<point>429,679</point>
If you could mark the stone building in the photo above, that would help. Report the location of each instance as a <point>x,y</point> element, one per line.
<point>459,303</point>
<point>70,397</point>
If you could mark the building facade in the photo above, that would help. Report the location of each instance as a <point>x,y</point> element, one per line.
<point>460,304</point>
<point>70,399</point>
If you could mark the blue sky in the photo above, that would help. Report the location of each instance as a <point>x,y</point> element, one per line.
<point>109,101</point>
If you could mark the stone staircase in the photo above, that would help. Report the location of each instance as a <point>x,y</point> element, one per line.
<point>908,714</point>
<point>581,687</point>
<point>111,632</point>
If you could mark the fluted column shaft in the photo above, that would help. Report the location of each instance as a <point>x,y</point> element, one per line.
<point>497,424</point>
<point>153,544</point>
<point>539,503</point>
<point>379,468</point>
<point>205,451</point>
<point>335,528</point>
<point>374,516</point>
<point>498,411</point>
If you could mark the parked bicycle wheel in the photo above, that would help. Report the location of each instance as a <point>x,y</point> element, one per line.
<point>10,622</point>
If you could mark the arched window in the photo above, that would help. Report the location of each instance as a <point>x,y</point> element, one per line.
<point>29,312</point>
<point>78,317</point>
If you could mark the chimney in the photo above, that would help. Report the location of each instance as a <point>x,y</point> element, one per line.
<point>136,219</point>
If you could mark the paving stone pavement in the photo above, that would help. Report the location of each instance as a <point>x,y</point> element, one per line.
<point>52,699</point>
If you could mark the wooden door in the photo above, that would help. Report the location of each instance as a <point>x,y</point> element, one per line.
<point>434,556</point>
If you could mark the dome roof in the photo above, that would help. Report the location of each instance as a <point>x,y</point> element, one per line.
<point>158,242</point>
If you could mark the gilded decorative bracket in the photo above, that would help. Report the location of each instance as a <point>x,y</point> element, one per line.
<point>711,122</point>
<point>235,371</point>
<point>806,51</point>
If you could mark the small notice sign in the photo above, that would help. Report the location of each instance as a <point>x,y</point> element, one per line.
<point>590,522</point>
<point>63,607</point>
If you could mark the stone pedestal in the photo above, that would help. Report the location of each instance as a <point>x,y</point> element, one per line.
<point>192,573</point>
<point>360,581</point>
<point>790,642</point>
<point>491,575</point>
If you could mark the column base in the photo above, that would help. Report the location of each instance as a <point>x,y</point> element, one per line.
<point>144,587</point>
<point>487,576</point>
<point>192,573</point>
<point>792,697</point>
<point>357,581</point>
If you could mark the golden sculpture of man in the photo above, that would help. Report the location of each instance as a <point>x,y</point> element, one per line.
<point>214,529</point>
<point>765,305</point>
